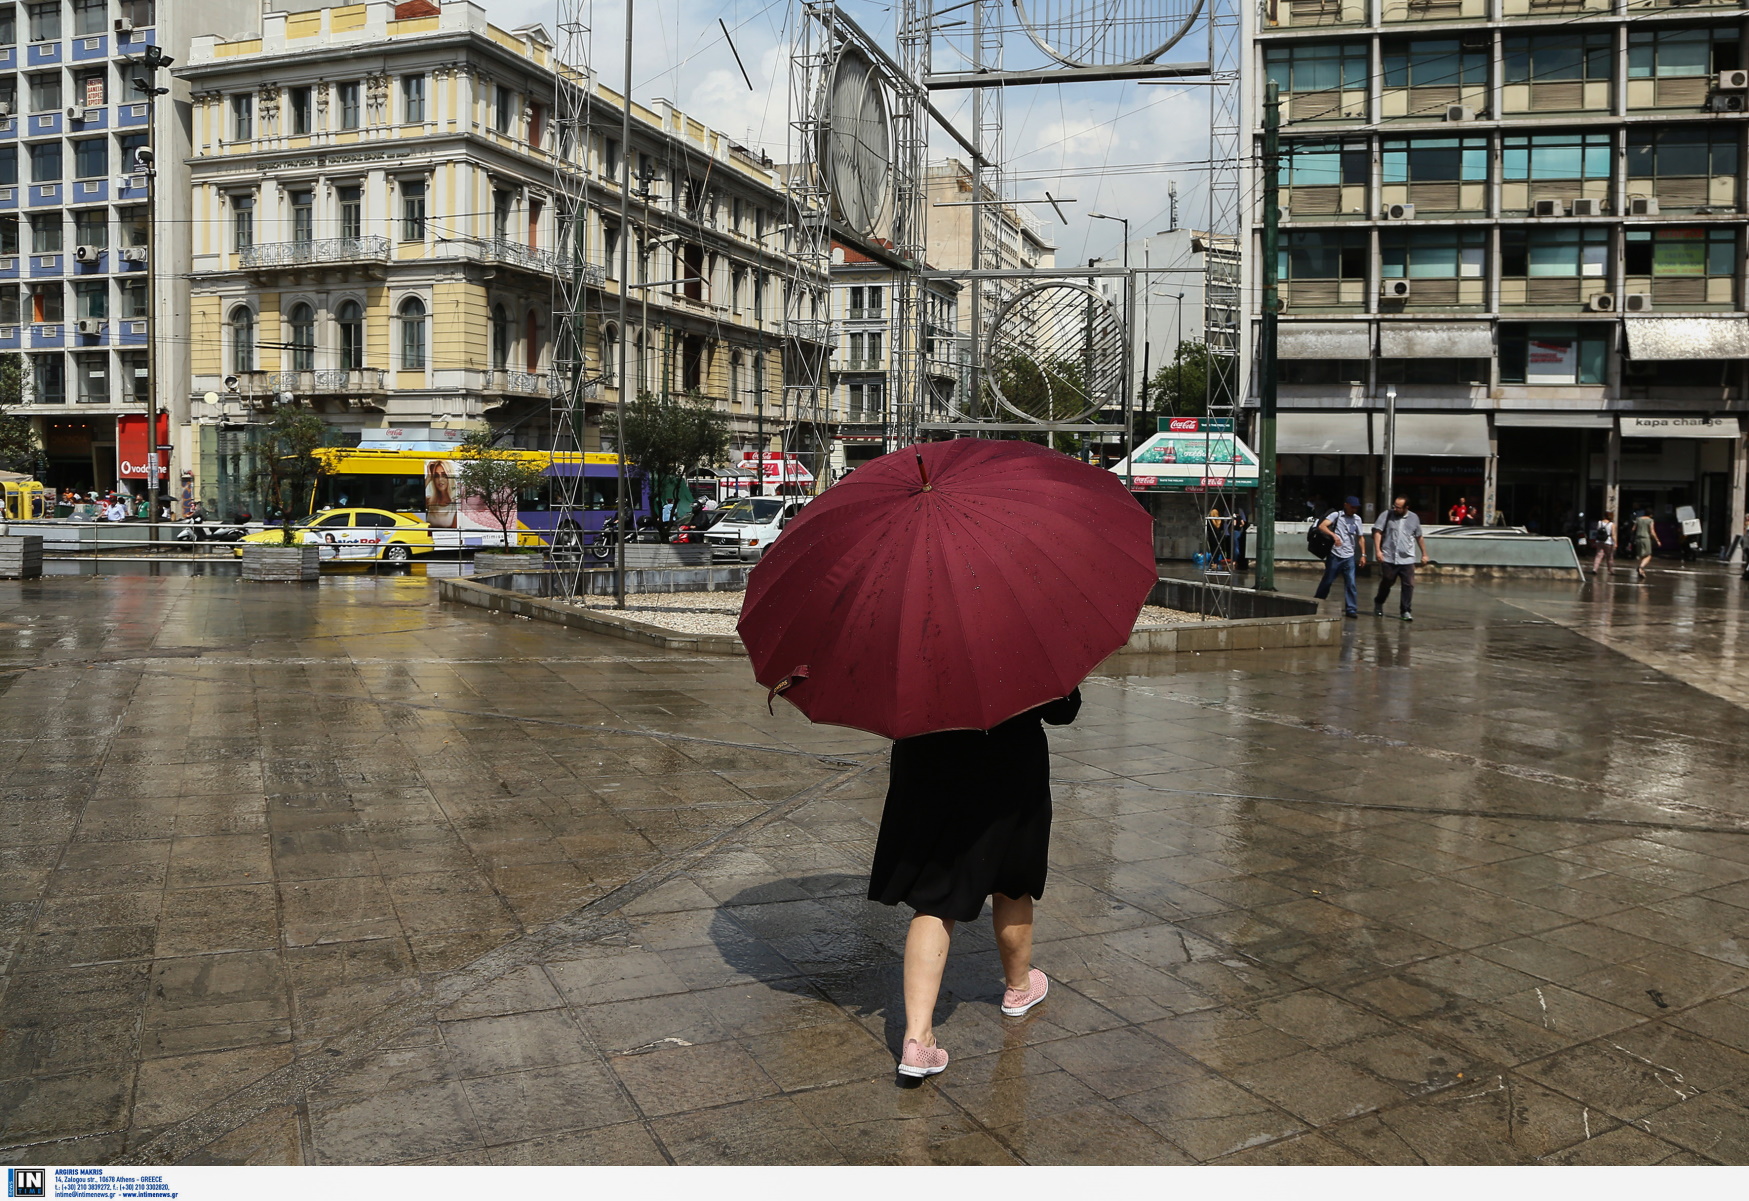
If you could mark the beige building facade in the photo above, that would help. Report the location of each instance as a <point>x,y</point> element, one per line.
<point>380,229</point>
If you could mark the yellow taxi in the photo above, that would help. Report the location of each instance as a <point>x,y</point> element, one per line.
<point>356,534</point>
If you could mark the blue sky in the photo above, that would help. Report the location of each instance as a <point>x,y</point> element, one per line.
<point>1061,139</point>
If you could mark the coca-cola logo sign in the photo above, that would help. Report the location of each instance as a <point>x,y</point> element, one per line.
<point>1182,425</point>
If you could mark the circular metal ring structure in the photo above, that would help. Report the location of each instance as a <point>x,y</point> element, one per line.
<point>1106,33</point>
<point>856,142</point>
<point>1056,353</point>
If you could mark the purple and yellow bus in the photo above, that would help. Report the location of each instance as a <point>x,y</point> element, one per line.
<point>426,484</point>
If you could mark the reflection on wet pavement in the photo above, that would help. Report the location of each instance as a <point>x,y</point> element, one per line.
<point>343,875</point>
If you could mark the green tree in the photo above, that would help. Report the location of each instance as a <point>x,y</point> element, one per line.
<point>670,437</point>
<point>289,468</point>
<point>497,477</point>
<point>20,448</point>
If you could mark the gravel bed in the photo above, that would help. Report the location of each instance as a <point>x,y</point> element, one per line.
<point>717,612</point>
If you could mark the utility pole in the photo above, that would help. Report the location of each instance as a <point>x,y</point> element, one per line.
<point>145,159</point>
<point>624,506</point>
<point>1265,515</point>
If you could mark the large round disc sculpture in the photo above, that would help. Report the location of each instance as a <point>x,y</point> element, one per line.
<point>856,143</point>
<point>950,593</point>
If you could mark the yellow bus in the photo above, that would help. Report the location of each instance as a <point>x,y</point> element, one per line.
<point>426,484</point>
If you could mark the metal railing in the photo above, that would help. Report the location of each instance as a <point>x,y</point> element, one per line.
<point>502,380</point>
<point>319,250</point>
<point>327,382</point>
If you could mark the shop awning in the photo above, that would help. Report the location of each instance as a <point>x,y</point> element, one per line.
<point>1435,340</point>
<point>1440,435</point>
<point>1661,339</point>
<point>1326,433</point>
<point>1559,421</point>
<point>1210,461</point>
<point>1323,340</point>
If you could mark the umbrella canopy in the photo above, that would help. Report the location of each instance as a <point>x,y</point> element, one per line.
<point>948,586</point>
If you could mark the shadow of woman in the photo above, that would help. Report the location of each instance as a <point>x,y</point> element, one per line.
<point>819,936</point>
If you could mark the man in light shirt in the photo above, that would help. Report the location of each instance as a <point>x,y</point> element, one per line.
<point>1343,527</point>
<point>1398,546</point>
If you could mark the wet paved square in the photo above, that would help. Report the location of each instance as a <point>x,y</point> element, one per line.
<point>344,875</point>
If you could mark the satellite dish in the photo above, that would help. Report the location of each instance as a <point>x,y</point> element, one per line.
<point>856,151</point>
<point>1106,33</point>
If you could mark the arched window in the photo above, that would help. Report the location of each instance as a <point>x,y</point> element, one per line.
<point>302,320</point>
<point>350,318</point>
<point>500,337</point>
<point>412,334</point>
<point>609,354</point>
<point>242,339</point>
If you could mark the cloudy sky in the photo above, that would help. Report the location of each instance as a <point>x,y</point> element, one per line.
<point>1095,143</point>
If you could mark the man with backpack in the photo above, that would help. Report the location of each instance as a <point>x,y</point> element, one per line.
<point>1398,546</point>
<point>1342,529</point>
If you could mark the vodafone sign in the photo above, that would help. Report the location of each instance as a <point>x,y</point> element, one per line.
<point>133,453</point>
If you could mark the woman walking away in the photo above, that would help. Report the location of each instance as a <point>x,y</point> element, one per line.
<point>1645,541</point>
<point>968,816</point>
<point>1603,544</point>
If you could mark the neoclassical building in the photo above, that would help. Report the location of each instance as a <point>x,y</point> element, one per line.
<point>379,229</point>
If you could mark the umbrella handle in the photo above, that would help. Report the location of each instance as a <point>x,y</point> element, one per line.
<point>784,685</point>
<point>923,471</point>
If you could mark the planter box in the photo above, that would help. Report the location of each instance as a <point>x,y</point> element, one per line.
<point>494,563</point>
<point>282,564</point>
<point>21,556</point>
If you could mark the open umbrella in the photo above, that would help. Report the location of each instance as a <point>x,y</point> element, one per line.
<point>948,586</point>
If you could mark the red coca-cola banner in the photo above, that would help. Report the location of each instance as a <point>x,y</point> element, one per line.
<point>132,453</point>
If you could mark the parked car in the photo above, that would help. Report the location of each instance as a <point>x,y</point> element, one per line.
<point>745,527</point>
<point>357,534</point>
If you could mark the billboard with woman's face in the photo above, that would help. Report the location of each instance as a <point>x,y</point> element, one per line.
<point>440,493</point>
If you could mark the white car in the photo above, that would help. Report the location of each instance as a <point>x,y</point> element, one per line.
<point>743,528</point>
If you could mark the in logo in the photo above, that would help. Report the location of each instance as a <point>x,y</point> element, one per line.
<point>27,1182</point>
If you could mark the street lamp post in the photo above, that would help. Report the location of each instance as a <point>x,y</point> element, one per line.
<point>1129,424</point>
<point>1390,446</point>
<point>145,160</point>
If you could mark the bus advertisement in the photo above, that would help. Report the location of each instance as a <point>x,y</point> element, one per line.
<point>427,484</point>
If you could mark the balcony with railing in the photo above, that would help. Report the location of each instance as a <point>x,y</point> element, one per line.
<point>818,332</point>
<point>527,383</point>
<point>316,251</point>
<point>340,381</point>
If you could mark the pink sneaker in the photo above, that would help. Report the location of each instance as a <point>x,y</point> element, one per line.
<point>1017,1001</point>
<point>920,1060</point>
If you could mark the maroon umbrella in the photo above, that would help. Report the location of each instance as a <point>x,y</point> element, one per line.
<point>948,586</point>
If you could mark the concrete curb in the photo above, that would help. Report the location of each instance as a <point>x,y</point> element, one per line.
<point>502,600</point>
<point>1240,634</point>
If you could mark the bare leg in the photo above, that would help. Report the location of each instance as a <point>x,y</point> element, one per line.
<point>1013,921</point>
<point>926,945</point>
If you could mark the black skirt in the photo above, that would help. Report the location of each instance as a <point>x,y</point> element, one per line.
<point>968,814</point>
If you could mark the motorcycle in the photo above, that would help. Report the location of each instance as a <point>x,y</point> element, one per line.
<point>195,529</point>
<point>601,548</point>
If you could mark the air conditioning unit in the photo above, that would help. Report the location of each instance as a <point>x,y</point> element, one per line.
<point>123,25</point>
<point>1400,212</point>
<point>1394,289</point>
<point>1637,302</point>
<point>1733,81</point>
<point>90,326</point>
<point>1584,206</point>
<point>87,254</point>
<point>75,114</point>
<point>1603,302</point>
<point>5,110</point>
<point>1548,208</point>
<point>1728,102</point>
<point>134,254</point>
<point>1642,206</point>
<point>1459,112</point>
